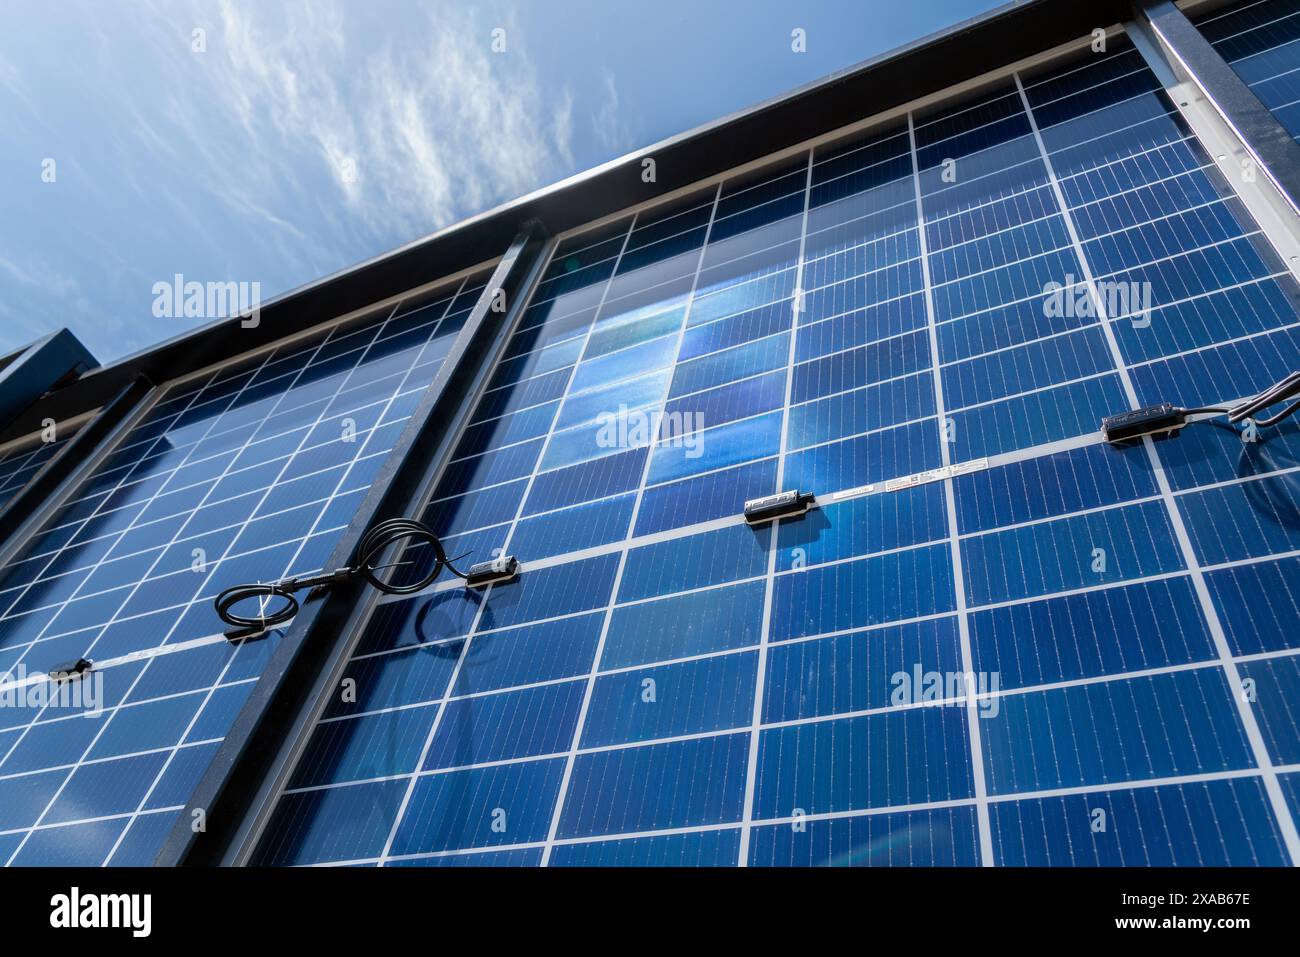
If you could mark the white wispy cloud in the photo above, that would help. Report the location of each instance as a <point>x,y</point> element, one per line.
<point>31,274</point>
<point>9,76</point>
<point>308,135</point>
<point>609,121</point>
<point>390,140</point>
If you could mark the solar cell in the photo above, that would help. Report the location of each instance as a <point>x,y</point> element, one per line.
<point>21,460</point>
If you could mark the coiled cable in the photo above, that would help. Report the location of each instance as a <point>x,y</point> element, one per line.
<point>405,531</point>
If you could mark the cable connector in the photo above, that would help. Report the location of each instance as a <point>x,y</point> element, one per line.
<point>70,669</point>
<point>242,633</point>
<point>487,573</point>
<point>781,505</point>
<point>1161,419</point>
<point>1167,418</point>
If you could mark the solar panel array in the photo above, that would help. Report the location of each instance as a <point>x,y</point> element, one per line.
<point>1261,40</point>
<point>538,721</point>
<point>248,472</point>
<point>666,685</point>
<point>922,324</point>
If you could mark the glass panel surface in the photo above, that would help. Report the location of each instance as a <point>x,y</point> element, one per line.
<point>21,461</point>
<point>948,671</point>
<point>247,473</point>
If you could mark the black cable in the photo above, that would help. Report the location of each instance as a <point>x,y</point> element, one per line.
<point>1249,408</point>
<point>375,543</point>
<point>390,532</point>
<point>1166,418</point>
<point>1290,409</point>
<point>1286,389</point>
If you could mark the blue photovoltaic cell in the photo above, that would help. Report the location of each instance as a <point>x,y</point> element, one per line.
<point>857,671</point>
<point>332,824</point>
<point>1290,784</point>
<point>715,848</point>
<point>685,625</point>
<point>1202,824</point>
<point>514,724</point>
<point>687,697</point>
<point>900,757</point>
<point>694,782</point>
<point>246,473</point>
<point>525,857</point>
<point>1252,625</point>
<point>21,461</point>
<point>1036,741</point>
<point>667,686</point>
<point>1153,624</point>
<point>501,804</point>
<point>940,838</point>
<point>1274,684</point>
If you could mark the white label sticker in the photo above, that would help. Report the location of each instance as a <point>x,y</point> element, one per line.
<point>936,475</point>
<point>852,492</point>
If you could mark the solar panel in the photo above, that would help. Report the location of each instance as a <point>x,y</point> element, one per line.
<point>666,685</point>
<point>243,473</point>
<point>22,460</point>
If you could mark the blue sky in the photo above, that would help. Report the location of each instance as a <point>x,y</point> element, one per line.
<point>308,136</point>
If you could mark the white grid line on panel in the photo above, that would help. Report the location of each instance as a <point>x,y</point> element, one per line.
<point>1102,788</point>
<point>478,614</point>
<point>961,700</point>
<point>93,820</point>
<point>590,685</point>
<point>1248,337</point>
<point>769,586</point>
<point>979,697</point>
<point>1259,749</point>
<point>1007,458</point>
<point>18,849</point>
<point>950,507</point>
<point>1203,665</point>
<point>298,551</point>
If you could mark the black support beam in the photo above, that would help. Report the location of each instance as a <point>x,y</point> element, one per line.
<point>240,782</point>
<point>41,367</point>
<point>1196,61</point>
<point>24,514</point>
